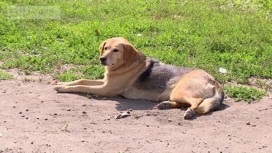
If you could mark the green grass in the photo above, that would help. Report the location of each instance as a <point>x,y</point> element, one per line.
<point>235,35</point>
<point>247,94</point>
<point>5,76</point>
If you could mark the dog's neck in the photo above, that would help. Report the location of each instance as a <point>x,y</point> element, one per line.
<point>124,67</point>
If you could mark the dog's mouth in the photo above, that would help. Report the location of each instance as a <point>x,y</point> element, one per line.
<point>103,63</point>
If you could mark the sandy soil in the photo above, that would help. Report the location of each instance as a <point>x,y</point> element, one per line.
<point>34,118</point>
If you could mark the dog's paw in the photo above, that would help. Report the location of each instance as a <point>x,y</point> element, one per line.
<point>61,83</point>
<point>163,105</point>
<point>189,114</point>
<point>56,82</point>
<point>60,88</point>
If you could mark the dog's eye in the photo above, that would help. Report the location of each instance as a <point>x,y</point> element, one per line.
<point>115,50</point>
<point>105,48</point>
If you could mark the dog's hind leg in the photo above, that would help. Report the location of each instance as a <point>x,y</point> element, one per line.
<point>194,104</point>
<point>170,104</point>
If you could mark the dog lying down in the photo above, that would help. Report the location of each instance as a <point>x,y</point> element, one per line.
<point>131,74</point>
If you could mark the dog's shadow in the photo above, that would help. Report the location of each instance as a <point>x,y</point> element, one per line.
<point>222,107</point>
<point>124,104</point>
<point>128,104</point>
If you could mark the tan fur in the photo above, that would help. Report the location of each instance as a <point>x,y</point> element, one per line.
<point>123,67</point>
<point>117,77</point>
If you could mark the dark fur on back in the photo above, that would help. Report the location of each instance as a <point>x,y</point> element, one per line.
<point>158,76</point>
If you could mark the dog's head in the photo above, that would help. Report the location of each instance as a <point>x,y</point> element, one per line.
<point>117,51</point>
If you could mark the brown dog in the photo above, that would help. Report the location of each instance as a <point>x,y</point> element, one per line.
<point>131,74</point>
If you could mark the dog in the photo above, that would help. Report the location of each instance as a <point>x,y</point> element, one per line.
<point>131,74</point>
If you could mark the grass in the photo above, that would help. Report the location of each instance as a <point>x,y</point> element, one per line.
<point>247,94</point>
<point>5,76</point>
<point>235,35</point>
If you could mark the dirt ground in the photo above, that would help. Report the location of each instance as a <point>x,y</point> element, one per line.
<point>34,118</point>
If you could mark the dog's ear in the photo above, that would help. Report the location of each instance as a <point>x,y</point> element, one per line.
<point>130,53</point>
<point>101,47</point>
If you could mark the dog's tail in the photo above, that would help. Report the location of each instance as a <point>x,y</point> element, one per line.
<point>214,102</point>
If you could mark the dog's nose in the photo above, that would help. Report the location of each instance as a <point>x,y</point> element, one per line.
<point>103,58</point>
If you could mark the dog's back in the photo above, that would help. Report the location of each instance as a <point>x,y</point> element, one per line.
<point>159,76</point>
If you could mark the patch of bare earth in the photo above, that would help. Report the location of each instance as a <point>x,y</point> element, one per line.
<point>34,118</point>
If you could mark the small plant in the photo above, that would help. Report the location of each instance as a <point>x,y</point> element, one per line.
<point>247,94</point>
<point>25,79</point>
<point>65,128</point>
<point>27,72</point>
<point>89,96</point>
<point>137,116</point>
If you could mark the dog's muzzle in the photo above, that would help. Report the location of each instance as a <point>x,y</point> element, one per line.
<point>103,60</point>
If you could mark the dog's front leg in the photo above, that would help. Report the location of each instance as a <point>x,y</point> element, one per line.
<point>84,82</point>
<point>101,90</point>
